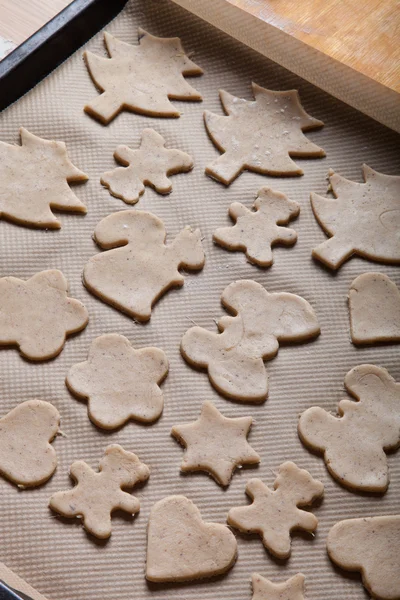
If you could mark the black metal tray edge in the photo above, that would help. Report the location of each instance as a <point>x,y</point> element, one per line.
<point>35,58</point>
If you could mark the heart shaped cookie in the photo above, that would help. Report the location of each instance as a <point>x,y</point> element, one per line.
<point>182,547</point>
<point>26,456</point>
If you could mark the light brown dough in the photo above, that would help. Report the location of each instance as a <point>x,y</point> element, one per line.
<point>26,456</point>
<point>34,179</point>
<point>133,277</point>
<point>374,305</point>
<point>149,165</point>
<point>354,443</point>
<point>257,230</point>
<point>216,444</point>
<point>260,135</point>
<point>36,315</point>
<point>140,78</point>
<point>234,358</point>
<point>98,494</point>
<point>264,589</point>
<point>120,383</point>
<point>371,546</point>
<point>274,513</point>
<point>363,219</point>
<point>183,547</point>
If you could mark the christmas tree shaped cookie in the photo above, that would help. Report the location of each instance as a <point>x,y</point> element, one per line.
<point>140,78</point>
<point>34,179</point>
<point>260,135</point>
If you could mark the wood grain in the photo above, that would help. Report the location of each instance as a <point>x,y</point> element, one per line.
<point>19,19</point>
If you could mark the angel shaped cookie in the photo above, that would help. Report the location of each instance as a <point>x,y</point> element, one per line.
<point>260,135</point>
<point>140,78</point>
<point>235,356</point>
<point>138,266</point>
<point>362,218</point>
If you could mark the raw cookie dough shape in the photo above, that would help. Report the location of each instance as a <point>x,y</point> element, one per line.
<point>264,589</point>
<point>234,358</point>
<point>183,547</point>
<point>26,456</point>
<point>36,315</point>
<point>149,165</point>
<point>98,494</point>
<point>216,444</point>
<point>34,179</point>
<point>374,305</point>
<point>371,546</point>
<point>140,78</point>
<point>133,277</point>
<point>274,513</point>
<point>257,230</point>
<point>363,219</point>
<point>354,443</point>
<point>260,135</point>
<point>120,383</point>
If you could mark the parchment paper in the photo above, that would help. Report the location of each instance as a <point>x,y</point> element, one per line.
<point>55,555</point>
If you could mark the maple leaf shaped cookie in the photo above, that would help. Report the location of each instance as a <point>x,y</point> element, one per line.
<point>149,165</point>
<point>98,494</point>
<point>363,219</point>
<point>138,266</point>
<point>141,78</point>
<point>264,589</point>
<point>120,383</point>
<point>26,456</point>
<point>355,441</point>
<point>34,179</point>
<point>260,135</point>
<point>216,444</point>
<point>36,315</point>
<point>234,357</point>
<point>274,513</point>
<point>257,230</point>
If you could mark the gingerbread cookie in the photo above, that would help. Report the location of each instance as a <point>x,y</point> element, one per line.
<point>26,456</point>
<point>36,315</point>
<point>355,441</point>
<point>235,357</point>
<point>362,219</point>
<point>257,230</point>
<point>260,135</point>
<point>264,589</point>
<point>374,304</point>
<point>34,179</point>
<point>98,494</point>
<point>140,78</point>
<point>371,546</point>
<point>274,513</point>
<point>119,382</point>
<point>216,444</point>
<point>138,266</point>
<point>183,547</point>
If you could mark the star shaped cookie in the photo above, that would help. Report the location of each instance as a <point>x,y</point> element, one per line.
<point>264,589</point>
<point>216,444</point>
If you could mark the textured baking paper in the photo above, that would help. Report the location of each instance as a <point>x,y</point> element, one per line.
<point>57,557</point>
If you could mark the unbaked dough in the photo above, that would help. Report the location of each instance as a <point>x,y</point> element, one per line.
<point>264,589</point>
<point>98,494</point>
<point>374,305</point>
<point>182,547</point>
<point>216,444</point>
<point>140,78</point>
<point>363,219</point>
<point>274,513</point>
<point>36,315</point>
<point>133,277</point>
<point>371,546</point>
<point>34,179</point>
<point>120,383</point>
<point>260,135</point>
<point>26,455</point>
<point>354,443</point>
<point>149,165</point>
